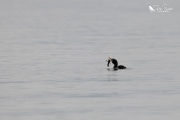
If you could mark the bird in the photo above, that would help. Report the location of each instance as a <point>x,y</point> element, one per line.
<point>115,62</point>
<point>151,9</point>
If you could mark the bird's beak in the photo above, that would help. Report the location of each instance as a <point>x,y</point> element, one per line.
<point>109,61</point>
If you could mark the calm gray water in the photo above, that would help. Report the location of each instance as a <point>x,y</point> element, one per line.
<point>53,52</point>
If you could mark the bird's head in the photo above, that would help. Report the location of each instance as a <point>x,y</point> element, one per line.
<point>109,61</point>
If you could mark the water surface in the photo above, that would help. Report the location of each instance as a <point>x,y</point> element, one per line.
<point>52,58</point>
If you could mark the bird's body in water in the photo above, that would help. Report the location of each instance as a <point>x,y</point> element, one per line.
<point>115,62</point>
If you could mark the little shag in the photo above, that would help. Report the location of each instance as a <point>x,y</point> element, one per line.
<point>115,62</point>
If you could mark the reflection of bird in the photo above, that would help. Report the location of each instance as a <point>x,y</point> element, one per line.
<point>114,61</point>
<point>151,9</point>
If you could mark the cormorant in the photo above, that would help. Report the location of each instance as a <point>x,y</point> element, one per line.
<point>115,62</point>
